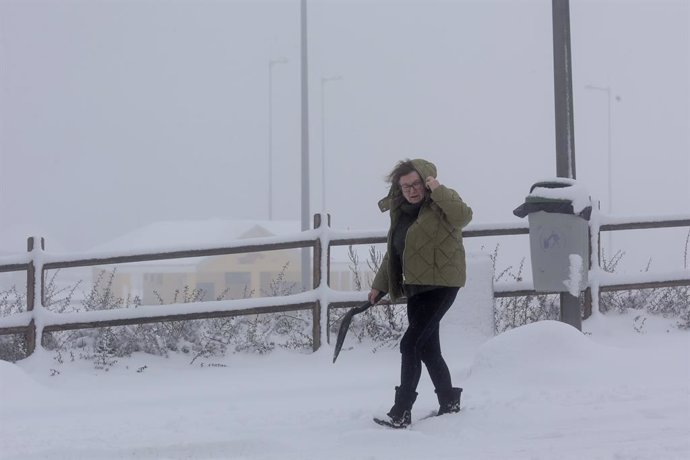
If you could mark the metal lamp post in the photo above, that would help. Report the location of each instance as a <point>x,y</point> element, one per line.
<point>304,130</point>
<point>565,124</point>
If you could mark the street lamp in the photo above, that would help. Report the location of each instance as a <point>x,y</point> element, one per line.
<point>271,63</point>
<point>324,80</point>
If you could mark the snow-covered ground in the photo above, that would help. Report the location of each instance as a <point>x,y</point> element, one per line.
<point>543,391</point>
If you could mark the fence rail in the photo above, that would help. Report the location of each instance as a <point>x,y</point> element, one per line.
<point>179,317</point>
<point>183,254</point>
<point>38,262</point>
<point>13,267</point>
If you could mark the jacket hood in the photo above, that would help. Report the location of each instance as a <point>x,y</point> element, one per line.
<point>423,167</point>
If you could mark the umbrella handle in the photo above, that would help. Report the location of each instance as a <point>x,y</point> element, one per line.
<point>368,305</point>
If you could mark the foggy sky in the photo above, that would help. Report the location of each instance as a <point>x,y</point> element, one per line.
<point>115,114</point>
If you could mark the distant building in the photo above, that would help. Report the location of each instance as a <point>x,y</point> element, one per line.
<point>233,276</point>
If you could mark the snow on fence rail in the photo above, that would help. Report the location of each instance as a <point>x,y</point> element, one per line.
<point>37,319</point>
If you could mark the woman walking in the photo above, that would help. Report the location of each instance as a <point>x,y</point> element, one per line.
<point>424,261</point>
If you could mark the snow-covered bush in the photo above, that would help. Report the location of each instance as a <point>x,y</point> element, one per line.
<point>198,338</point>
<point>669,302</point>
<point>511,312</point>
<point>12,347</point>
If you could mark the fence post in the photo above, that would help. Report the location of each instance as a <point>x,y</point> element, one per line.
<point>316,266</point>
<point>588,303</point>
<point>316,263</point>
<point>596,292</point>
<point>587,310</point>
<point>30,334</point>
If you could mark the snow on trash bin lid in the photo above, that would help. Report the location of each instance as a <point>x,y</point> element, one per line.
<point>558,194</point>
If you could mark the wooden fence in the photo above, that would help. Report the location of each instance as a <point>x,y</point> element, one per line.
<point>34,322</point>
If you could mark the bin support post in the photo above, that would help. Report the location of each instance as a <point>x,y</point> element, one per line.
<point>570,310</point>
<point>563,89</point>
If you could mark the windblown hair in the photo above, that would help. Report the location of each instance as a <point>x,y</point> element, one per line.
<point>403,168</point>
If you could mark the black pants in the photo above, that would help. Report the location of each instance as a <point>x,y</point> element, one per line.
<point>421,342</point>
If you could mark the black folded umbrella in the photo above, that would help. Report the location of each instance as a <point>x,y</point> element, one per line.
<point>345,323</point>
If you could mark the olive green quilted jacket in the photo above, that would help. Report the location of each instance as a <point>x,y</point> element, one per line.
<point>434,254</point>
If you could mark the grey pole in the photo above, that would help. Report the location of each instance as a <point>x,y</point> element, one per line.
<point>563,90</point>
<point>305,142</point>
<point>324,80</point>
<point>570,310</point>
<point>565,131</point>
<point>271,64</point>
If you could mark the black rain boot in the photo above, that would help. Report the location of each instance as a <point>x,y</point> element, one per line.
<point>449,400</point>
<point>400,415</point>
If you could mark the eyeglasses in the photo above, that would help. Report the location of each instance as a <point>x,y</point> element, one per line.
<point>417,185</point>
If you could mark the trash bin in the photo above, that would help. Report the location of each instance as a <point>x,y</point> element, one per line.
<point>558,211</point>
